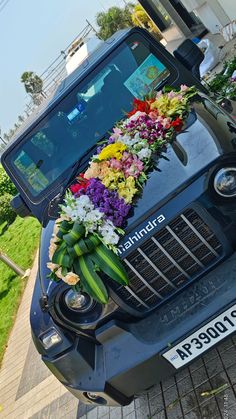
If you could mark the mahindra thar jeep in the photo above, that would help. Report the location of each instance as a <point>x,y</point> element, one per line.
<point>179,247</point>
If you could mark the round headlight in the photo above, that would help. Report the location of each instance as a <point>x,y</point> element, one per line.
<point>225,182</point>
<point>77,301</point>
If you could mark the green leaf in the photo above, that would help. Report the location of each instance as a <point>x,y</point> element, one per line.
<point>81,248</point>
<point>62,258</point>
<point>110,264</point>
<point>92,241</point>
<point>64,227</point>
<point>75,234</point>
<point>91,282</point>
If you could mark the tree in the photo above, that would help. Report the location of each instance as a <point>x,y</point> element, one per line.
<point>141,18</point>
<point>33,83</point>
<point>114,19</point>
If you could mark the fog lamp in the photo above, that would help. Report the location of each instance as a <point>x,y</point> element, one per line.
<point>225,182</point>
<point>77,301</point>
<point>50,338</point>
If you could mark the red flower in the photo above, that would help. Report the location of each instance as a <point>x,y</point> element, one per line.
<point>141,106</point>
<point>81,186</point>
<point>177,124</point>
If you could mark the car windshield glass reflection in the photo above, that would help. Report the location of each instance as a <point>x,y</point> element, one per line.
<point>87,114</point>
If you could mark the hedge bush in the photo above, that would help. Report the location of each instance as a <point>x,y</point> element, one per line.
<point>6,185</point>
<point>7,213</point>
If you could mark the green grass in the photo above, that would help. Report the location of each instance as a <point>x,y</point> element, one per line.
<point>20,243</point>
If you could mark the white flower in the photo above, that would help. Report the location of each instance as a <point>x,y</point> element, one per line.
<point>145,153</point>
<point>52,266</point>
<point>92,219</point>
<point>71,213</point>
<point>52,249</point>
<point>136,115</point>
<point>107,231</point>
<point>130,141</point>
<point>80,213</point>
<point>59,273</point>
<point>140,144</point>
<point>93,216</point>
<point>77,208</point>
<point>84,201</point>
<point>55,230</point>
<point>125,139</point>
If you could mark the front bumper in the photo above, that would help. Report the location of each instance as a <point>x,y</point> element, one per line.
<point>128,357</point>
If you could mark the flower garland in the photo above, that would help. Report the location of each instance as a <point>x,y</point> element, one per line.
<point>96,207</point>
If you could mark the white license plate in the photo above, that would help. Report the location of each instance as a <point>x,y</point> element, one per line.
<point>197,343</point>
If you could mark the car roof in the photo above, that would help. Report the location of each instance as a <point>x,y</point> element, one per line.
<point>71,80</point>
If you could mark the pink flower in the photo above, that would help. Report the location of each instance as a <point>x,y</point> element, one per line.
<point>171,94</point>
<point>117,130</point>
<point>132,166</point>
<point>159,94</point>
<point>153,115</point>
<point>116,134</point>
<point>115,164</point>
<point>166,122</point>
<point>183,88</point>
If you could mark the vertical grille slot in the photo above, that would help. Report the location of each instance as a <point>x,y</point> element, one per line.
<point>168,260</point>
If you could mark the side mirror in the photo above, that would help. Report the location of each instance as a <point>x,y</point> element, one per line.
<point>20,206</point>
<point>190,56</point>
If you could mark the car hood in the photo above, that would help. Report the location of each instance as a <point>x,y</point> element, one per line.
<point>208,134</point>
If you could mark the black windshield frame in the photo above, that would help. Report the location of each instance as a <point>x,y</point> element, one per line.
<point>88,75</point>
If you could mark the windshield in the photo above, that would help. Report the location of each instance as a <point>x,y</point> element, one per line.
<point>85,115</point>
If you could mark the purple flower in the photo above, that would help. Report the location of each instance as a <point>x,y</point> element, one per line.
<point>108,202</point>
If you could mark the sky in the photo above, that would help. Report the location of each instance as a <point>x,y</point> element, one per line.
<point>32,34</point>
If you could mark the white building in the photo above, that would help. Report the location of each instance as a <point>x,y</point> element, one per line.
<point>190,18</point>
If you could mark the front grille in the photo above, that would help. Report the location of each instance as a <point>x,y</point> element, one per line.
<point>167,261</point>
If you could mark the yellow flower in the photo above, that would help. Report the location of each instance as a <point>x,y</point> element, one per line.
<point>127,189</point>
<point>112,150</point>
<point>162,104</point>
<point>112,179</point>
<point>71,278</point>
<point>168,106</point>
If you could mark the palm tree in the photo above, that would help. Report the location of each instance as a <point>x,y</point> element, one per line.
<point>33,83</point>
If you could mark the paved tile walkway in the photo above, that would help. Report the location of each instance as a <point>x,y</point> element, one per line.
<point>29,391</point>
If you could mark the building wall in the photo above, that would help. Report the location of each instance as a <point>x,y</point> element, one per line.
<point>211,12</point>
<point>229,7</point>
